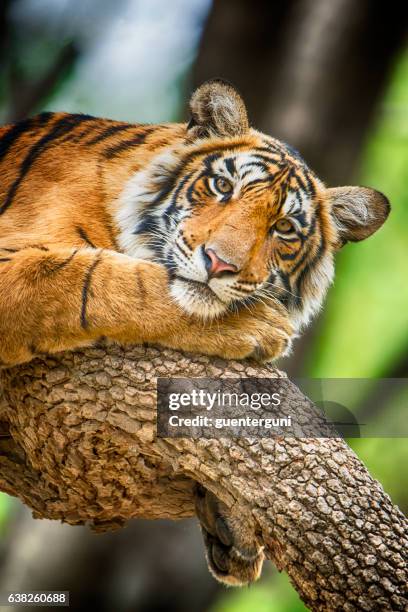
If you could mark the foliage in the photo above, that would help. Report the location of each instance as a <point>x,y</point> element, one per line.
<point>364,330</point>
<point>271,594</point>
<point>5,509</point>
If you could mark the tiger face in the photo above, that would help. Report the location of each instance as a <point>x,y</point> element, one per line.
<point>237,216</point>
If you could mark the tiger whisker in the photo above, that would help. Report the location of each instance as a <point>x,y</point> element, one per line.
<point>298,297</point>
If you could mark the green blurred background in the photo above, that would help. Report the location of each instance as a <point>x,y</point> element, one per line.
<point>331,79</point>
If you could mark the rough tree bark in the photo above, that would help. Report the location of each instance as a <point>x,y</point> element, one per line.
<point>78,444</point>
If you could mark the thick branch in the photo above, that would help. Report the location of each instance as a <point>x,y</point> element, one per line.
<point>78,444</point>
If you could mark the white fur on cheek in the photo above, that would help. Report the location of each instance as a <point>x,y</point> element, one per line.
<point>203,306</point>
<point>318,283</point>
<point>139,194</point>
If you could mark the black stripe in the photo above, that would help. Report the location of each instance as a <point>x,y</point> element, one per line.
<point>310,186</point>
<point>168,187</point>
<point>272,276</point>
<point>281,154</point>
<point>255,164</point>
<point>185,242</point>
<point>230,165</point>
<point>312,227</point>
<point>300,182</point>
<point>322,244</point>
<point>209,159</point>
<point>63,125</point>
<point>299,238</point>
<point>33,349</point>
<point>141,287</point>
<point>192,123</point>
<point>191,189</point>
<point>182,249</point>
<point>309,265</point>
<point>271,147</point>
<point>85,290</point>
<point>179,172</point>
<point>84,236</point>
<point>147,224</point>
<point>211,155</point>
<point>79,135</point>
<point>288,297</point>
<point>293,152</point>
<point>301,164</point>
<point>170,265</point>
<point>300,262</point>
<point>260,181</point>
<point>112,236</point>
<point>40,247</point>
<point>13,133</point>
<point>5,259</point>
<point>192,197</point>
<point>66,262</point>
<point>269,160</point>
<point>75,134</point>
<point>300,280</point>
<point>11,136</point>
<point>42,119</point>
<point>108,132</point>
<point>301,218</point>
<point>171,209</point>
<point>288,256</point>
<point>311,231</point>
<point>125,145</point>
<point>8,250</point>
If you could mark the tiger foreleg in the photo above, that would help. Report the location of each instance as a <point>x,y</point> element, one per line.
<point>58,299</point>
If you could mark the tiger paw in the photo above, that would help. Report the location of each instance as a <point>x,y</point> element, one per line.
<point>233,554</point>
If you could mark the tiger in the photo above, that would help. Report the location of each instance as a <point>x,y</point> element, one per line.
<point>205,236</point>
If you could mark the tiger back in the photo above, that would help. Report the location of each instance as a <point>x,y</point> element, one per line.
<point>208,236</point>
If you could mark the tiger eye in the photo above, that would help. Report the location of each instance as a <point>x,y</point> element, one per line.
<point>222,185</point>
<point>284,226</point>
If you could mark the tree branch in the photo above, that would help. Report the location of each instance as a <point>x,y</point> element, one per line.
<point>78,444</point>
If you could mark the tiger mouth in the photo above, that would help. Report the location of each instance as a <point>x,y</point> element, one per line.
<point>197,298</point>
<point>201,288</point>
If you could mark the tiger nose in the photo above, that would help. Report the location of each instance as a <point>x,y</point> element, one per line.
<point>216,266</point>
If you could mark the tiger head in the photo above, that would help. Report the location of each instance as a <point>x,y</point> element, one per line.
<point>238,217</point>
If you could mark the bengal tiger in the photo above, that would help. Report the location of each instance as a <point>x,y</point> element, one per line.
<point>207,236</point>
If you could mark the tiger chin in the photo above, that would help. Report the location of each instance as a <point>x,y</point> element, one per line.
<point>207,236</point>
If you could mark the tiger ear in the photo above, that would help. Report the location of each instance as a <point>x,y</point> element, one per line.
<point>217,109</point>
<point>358,212</point>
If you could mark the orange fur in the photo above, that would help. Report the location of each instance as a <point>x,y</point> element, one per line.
<point>65,280</point>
